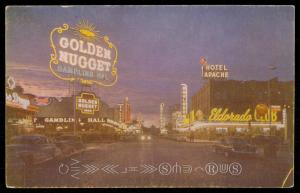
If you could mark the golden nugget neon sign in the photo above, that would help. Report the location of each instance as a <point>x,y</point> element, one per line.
<point>80,53</point>
<point>87,103</point>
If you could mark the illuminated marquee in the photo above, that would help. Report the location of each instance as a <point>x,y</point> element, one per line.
<point>261,114</point>
<point>80,53</point>
<point>87,103</point>
<point>14,98</point>
<point>58,120</point>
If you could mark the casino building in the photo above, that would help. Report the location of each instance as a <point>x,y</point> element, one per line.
<point>19,110</point>
<point>238,96</point>
<point>241,95</point>
<point>62,114</point>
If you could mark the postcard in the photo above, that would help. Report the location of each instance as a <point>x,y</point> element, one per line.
<point>149,96</point>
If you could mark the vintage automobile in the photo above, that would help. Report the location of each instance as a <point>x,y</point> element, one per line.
<point>181,138</point>
<point>230,146</point>
<point>145,137</point>
<point>30,150</point>
<point>69,144</point>
<point>128,137</point>
<point>270,144</point>
<point>136,137</point>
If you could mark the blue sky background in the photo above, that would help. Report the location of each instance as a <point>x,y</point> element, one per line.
<point>159,47</point>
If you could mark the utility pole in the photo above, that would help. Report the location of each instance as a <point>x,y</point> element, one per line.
<point>74,109</point>
<point>269,110</point>
<point>271,67</point>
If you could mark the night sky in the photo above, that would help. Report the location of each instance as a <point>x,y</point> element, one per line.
<point>159,48</point>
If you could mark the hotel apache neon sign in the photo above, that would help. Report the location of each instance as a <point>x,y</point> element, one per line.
<point>213,71</point>
<point>81,53</point>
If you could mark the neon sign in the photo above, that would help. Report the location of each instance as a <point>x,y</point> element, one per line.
<point>16,99</point>
<point>81,53</point>
<point>213,71</point>
<point>261,114</point>
<point>58,120</point>
<point>87,103</point>
<point>11,82</point>
<point>219,114</point>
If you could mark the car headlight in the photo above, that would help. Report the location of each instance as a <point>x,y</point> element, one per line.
<point>143,137</point>
<point>149,137</point>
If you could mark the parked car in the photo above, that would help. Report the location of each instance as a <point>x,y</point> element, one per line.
<point>136,137</point>
<point>181,138</point>
<point>30,150</point>
<point>69,144</point>
<point>270,144</point>
<point>265,139</point>
<point>235,146</point>
<point>128,137</point>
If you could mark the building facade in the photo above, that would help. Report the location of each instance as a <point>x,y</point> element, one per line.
<point>121,112</point>
<point>240,95</point>
<point>184,99</point>
<point>63,113</point>
<point>125,111</point>
<point>19,113</point>
<point>161,116</point>
<point>172,113</point>
<point>224,98</point>
<point>19,109</point>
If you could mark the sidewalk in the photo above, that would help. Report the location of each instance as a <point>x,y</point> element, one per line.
<point>285,155</point>
<point>185,139</point>
<point>202,141</point>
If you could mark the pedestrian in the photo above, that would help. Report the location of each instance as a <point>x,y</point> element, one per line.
<point>192,137</point>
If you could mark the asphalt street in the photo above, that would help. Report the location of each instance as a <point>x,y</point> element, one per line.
<point>156,163</point>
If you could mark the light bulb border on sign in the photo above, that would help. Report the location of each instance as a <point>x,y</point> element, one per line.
<point>54,61</point>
